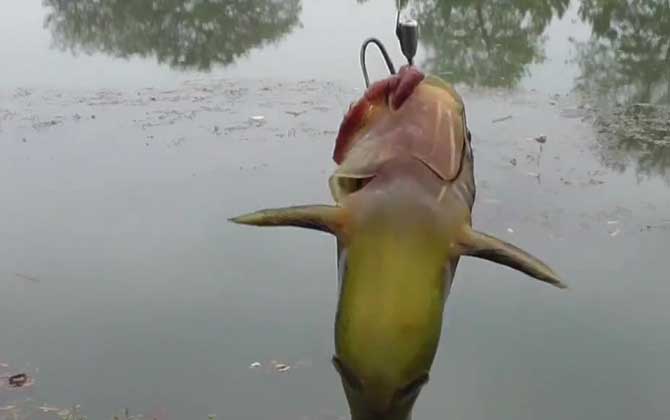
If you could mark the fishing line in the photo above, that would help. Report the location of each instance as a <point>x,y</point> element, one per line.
<point>408,36</point>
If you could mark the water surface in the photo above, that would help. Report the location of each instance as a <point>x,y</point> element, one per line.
<point>126,141</point>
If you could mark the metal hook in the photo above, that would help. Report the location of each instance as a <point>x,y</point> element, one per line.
<point>408,35</point>
<point>387,58</point>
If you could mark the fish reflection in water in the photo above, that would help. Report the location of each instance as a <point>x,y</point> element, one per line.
<point>185,35</point>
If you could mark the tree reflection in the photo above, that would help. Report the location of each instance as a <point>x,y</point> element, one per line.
<point>184,34</point>
<point>625,73</point>
<point>487,43</point>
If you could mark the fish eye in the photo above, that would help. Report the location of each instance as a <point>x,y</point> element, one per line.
<point>411,390</point>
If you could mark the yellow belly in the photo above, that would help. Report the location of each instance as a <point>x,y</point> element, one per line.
<point>390,309</point>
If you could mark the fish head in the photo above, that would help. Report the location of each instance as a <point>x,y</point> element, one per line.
<point>409,115</point>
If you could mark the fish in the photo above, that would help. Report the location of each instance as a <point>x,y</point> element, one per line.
<point>403,193</point>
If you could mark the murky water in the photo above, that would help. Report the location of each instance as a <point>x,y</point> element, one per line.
<point>126,141</point>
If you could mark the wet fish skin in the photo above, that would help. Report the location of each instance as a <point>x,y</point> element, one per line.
<point>404,191</point>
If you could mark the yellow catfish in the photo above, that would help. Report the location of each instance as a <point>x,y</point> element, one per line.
<point>403,191</point>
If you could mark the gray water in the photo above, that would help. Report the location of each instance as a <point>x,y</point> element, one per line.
<point>126,141</point>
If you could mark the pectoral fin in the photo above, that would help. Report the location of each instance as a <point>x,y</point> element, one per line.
<point>318,217</point>
<point>480,245</point>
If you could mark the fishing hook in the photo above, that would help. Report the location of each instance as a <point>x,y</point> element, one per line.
<point>408,36</point>
<point>387,58</point>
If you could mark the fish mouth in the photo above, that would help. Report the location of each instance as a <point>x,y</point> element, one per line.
<point>411,390</point>
<point>400,400</point>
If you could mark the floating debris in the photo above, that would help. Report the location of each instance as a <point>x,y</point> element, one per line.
<point>615,233</point>
<point>282,367</point>
<point>663,225</point>
<point>501,119</point>
<point>18,381</point>
<point>295,113</point>
<point>258,118</point>
<point>510,230</point>
<point>38,125</point>
<point>255,365</point>
<point>513,162</point>
<point>47,409</point>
